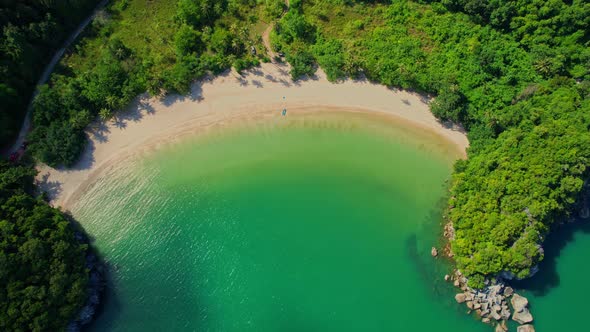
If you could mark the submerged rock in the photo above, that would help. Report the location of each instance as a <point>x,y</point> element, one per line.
<point>460,298</point>
<point>434,252</point>
<point>526,328</point>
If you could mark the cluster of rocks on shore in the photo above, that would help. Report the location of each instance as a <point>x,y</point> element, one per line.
<point>491,303</point>
<point>95,288</point>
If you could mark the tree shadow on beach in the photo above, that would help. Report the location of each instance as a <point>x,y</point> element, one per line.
<point>86,159</point>
<point>99,131</point>
<point>51,188</point>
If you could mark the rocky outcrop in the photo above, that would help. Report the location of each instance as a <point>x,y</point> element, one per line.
<point>501,327</point>
<point>490,303</point>
<point>95,287</point>
<point>460,298</point>
<point>522,314</point>
<point>525,328</point>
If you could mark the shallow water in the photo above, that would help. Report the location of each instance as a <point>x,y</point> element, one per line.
<point>297,223</point>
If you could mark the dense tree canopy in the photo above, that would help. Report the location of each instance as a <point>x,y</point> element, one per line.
<point>30,31</point>
<point>515,74</point>
<point>42,267</point>
<point>188,38</point>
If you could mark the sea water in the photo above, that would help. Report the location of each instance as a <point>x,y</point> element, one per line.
<point>306,222</point>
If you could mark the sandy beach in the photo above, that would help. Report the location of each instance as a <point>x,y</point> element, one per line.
<point>152,122</point>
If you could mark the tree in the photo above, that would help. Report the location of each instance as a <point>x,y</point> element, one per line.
<point>187,41</point>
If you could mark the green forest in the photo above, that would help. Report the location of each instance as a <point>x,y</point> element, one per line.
<point>31,31</point>
<point>514,74</point>
<point>43,275</point>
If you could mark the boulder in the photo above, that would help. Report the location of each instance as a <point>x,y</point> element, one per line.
<point>519,302</point>
<point>505,314</point>
<point>470,305</point>
<point>484,306</point>
<point>456,283</point>
<point>485,320</point>
<point>499,328</point>
<point>496,315</point>
<point>447,277</point>
<point>476,305</point>
<point>508,291</point>
<point>460,298</point>
<point>523,317</point>
<point>434,252</point>
<point>526,328</point>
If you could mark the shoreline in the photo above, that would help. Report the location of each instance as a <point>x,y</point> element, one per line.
<point>260,92</point>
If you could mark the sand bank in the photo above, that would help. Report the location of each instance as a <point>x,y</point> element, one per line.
<point>150,122</point>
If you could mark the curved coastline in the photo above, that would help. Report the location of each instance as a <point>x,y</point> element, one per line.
<point>258,93</point>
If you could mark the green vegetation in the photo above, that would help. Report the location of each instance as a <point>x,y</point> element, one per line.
<point>31,31</point>
<point>159,47</point>
<point>514,74</point>
<point>43,276</point>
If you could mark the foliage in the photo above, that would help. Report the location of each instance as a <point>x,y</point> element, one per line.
<point>160,47</point>
<point>42,267</point>
<point>515,74</point>
<point>30,31</point>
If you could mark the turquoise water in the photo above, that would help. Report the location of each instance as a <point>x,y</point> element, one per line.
<point>297,223</point>
<point>559,292</point>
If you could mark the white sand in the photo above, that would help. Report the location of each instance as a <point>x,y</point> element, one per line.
<point>152,122</point>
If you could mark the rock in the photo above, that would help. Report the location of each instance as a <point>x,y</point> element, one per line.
<point>484,306</point>
<point>460,298</point>
<point>526,328</point>
<point>503,326</point>
<point>434,252</point>
<point>505,314</point>
<point>476,305</point>
<point>508,291</point>
<point>470,305</point>
<point>447,277</point>
<point>523,317</point>
<point>519,302</point>
<point>496,315</point>
<point>499,328</point>
<point>485,320</point>
<point>456,283</point>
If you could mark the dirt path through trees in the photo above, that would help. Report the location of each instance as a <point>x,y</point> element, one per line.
<point>26,127</point>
